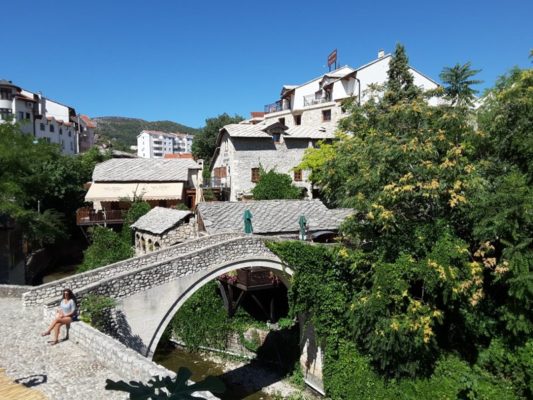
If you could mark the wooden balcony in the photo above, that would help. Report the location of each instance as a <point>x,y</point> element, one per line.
<point>250,279</point>
<point>88,216</point>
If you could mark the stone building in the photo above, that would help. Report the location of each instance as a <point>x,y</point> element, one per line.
<point>304,114</point>
<point>161,228</point>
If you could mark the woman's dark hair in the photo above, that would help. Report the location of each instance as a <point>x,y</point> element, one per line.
<point>69,292</point>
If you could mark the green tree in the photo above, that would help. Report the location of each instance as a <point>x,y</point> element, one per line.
<point>137,210</point>
<point>274,185</point>
<point>204,144</point>
<point>458,84</point>
<point>107,247</point>
<point>400,84</point>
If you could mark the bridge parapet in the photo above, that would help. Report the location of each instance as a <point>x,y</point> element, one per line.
<point>39,294</point>
<point>133,281</point>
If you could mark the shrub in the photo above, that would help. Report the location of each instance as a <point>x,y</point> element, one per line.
<point>94,309</point>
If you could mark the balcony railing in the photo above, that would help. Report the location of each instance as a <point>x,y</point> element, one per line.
<point>216,183</point>
<point>87,216</point>
<point>313,99</point>
<point>277,106</point>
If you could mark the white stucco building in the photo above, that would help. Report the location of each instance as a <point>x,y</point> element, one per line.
<point>304,114</point>
<point>155,144</point>
<point>45,119</point>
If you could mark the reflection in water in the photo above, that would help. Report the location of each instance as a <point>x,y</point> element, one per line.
<point>174,358</point>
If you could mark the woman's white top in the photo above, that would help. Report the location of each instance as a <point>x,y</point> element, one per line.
<point>68,307</point>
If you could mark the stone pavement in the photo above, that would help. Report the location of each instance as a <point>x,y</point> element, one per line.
<point>63,371</point>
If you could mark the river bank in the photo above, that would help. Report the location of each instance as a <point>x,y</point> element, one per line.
<point>245,379</point>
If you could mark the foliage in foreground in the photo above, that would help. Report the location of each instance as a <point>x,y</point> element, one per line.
<point>168,388</point>
<point>108,246</point>
<point>93,309</point>
<point>274,185</point>
<point>40,188</point>
<point>433,285</point>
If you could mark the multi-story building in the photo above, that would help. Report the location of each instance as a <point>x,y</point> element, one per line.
<point>277,138</point>
<point>45,119</point>
<point>155,144</point>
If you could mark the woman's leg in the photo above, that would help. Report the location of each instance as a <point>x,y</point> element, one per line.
<point>57,327</point>
<point>54,322</point>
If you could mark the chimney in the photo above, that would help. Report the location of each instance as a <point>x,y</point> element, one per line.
<point>381,54</point>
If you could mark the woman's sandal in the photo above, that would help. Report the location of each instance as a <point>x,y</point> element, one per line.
<point>45,333</point>
<point>54,342</point>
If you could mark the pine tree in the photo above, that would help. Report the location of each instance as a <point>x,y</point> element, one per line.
<point>400,85</point>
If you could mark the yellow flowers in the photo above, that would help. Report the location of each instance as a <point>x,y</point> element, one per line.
<point>395,325</point>
<point>456,199</point>
<point>343,252</point>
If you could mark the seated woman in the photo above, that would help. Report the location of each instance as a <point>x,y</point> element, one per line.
<point>66,313</point>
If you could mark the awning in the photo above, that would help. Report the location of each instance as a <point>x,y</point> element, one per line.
<point>148,191</point>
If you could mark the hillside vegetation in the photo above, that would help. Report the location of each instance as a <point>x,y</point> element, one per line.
<point>122,132</point>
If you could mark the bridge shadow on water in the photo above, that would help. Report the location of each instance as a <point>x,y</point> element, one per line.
<point>276,360</point>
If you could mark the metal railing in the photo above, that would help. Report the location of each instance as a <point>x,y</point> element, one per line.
<point>277,106</point>
<point>313,99</point>
<point>88,216</point>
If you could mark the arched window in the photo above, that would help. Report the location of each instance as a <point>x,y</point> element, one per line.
<point>156,246</point>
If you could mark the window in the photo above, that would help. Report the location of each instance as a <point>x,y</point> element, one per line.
<point>298,175</point>
<point>5,113</point>
<point>5,94</point>
<point>41,125</point>
<point>255,175</point>
<point>21,115</point>
<point>27,115</point>
<point>276,137</point>
<point>282,121</point>
<point>326,115</point>
<point>52,128</point>
<point>298,119</point>
<point>69,133</point>
<point>60,131</point>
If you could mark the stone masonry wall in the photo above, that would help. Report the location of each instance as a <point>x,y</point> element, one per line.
<point>13,290</point>
<point>152,242</point>
<point>130,282</point>
<point>39,294</point>
<point>115,355</point>
<point>282,157</point>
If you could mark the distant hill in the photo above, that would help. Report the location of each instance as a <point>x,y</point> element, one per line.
<point>122,131</point>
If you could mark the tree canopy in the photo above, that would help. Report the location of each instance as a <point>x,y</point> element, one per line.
<point>437,259</point>
<point>273,185</point>
<point>204,144</point>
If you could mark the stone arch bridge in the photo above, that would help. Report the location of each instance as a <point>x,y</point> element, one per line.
<point>150,289</point>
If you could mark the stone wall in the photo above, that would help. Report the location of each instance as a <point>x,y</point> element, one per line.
<point>13,290</point>
<point>42,293</point>
<point>147,242</point>
<point>253,153</point>
<point>116,356</point>
<point>120,285</point>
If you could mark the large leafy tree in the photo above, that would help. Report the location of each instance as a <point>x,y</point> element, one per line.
<point>39,187</point>
<point>440,242</point>
<point>458,81</point>
<point>204,144</point>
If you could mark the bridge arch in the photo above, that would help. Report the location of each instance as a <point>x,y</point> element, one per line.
<point>272,263</point>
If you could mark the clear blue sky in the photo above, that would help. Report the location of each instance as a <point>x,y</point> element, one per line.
<point>186,61</point>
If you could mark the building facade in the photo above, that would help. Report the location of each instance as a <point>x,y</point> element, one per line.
<point>45,119</point>
<point>305,114</point>
<point>155,144</point>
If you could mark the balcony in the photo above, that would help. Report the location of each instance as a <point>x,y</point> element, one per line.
<point>313,99</point>
<point>216,182</point>
<point>88,216</point>
<point>277,106</point>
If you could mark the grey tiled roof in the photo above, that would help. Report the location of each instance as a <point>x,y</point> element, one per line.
<point>159,219</point>
<point>325,131</point>
<point>270,216</point>
<point>144,170</point>
<point>246,130</point>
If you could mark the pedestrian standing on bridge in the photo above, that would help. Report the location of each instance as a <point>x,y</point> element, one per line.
<point>65,314</point>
